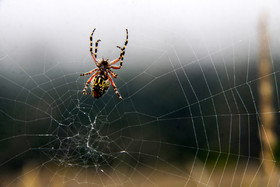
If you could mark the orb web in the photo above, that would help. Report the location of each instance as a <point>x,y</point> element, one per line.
<point>189,115</point>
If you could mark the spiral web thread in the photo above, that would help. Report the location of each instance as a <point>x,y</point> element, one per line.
<point>189,116</point>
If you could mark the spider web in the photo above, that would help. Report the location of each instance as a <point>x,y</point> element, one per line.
<point>190,114</point>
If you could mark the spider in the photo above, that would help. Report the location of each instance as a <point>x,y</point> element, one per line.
<point>100,79</point>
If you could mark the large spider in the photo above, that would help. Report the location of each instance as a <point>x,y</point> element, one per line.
<point>101,77</point>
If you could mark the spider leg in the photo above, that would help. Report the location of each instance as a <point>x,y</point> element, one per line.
<point>121,54</point>
<point>115,87</point>
<point>116,67</point>
<point>113,74</point>
<point>90,72</point>
<point>115,61</point>
<point>88,81</point>
<point>96,45</point>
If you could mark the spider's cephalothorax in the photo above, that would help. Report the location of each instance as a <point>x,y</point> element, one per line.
<point>103,65</point>
<point>101,77</point>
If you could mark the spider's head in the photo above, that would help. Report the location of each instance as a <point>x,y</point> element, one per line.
<point>104,62</point>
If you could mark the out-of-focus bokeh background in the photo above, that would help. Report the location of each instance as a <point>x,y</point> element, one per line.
<point>199,81</point>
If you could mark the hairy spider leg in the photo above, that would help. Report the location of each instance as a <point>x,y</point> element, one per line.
<point>90,48</point>
<point>90,72</point>
<point>96,46</point>
<point>121,54</point>
<point>115,87</point>
<point>123,49</point>
<point>113,74</point>
<point>88,81</point>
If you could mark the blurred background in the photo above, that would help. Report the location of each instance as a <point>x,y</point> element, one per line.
<point>199,82</point>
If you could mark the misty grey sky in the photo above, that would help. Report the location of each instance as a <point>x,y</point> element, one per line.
<point>65,25</point>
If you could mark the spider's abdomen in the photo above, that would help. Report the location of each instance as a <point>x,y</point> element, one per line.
<point>100,85</point>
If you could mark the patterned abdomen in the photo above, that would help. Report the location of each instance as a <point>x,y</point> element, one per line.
<point>100,85</point>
